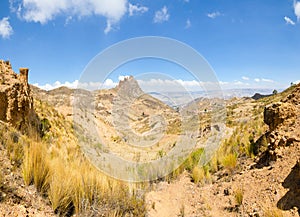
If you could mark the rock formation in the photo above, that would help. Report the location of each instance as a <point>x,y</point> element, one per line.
<point>277,113</point>
<point>283,121</point>
<point>16,103</point>
<point>129,87</point>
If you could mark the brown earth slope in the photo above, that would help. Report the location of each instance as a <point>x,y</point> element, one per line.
<point>265,186</point>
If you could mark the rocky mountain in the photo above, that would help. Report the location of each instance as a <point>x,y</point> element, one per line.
<point>16,102</point>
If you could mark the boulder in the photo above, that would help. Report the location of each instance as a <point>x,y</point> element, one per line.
<point>277,113</point>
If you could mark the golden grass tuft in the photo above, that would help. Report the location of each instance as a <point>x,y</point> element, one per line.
<point>229,161</point>
<point>239,196</point>
<point>35,168</point>
<point>61,188</point>
<point>198,174</point>
<point>14,147</point>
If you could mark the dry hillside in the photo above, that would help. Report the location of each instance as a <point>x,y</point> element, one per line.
<point>44,172</point>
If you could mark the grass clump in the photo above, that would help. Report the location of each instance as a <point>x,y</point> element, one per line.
<point>61,188</point>
<point>193,160</point>
<point>239,196</point>
<point>229,161</point>
<point>14,147</point>
<point>198,174</point>
<point>35,168</point>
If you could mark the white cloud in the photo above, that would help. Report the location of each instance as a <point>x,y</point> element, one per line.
<point>58,84</point>
<point>108,83</point>
<point>108,27</point>
<point>68,20</point>
<point>245,78</point>
<point>264,80</point>
<point>135,9</point>
<point>213,15</point>
<point>161,15</point>
<point>188,24</point>
<point>267,80</point>
<point>167,85</point>
<point>238,84</point>
<point>43,11</point>
<point>297,9</point>
<point>5,28</point>
<point>289,20</point>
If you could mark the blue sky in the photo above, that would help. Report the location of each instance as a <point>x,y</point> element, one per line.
<point>248,43</point>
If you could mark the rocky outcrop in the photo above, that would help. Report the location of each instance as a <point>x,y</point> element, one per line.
<point>283,121</point>
<point>277,113</point>
<point>294,97</point>
<point>129,87</point>
<point>16,103</point>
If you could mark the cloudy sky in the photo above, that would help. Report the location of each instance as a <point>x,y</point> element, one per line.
<point>248,43</point>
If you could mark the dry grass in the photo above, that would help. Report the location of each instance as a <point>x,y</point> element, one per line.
<point>14,147</point>
<point>61,188</point>
<point>198,174</point>
<point>229,161</point>
<point>74,186</point>
<point>35,166</point>
<point>239,196</point>
<point>273,212</point>
<point>59,170</point>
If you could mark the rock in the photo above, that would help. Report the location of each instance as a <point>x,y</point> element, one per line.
<point>294,97</point>
<point>226,191</point>
<point>276,113</point>
<point>16,102</point>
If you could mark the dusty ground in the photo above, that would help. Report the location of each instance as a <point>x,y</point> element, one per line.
<point>264,189</point>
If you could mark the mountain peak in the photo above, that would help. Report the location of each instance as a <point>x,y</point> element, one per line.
<point>129,86</point>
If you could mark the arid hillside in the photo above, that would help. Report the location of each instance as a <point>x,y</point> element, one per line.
<point>262,176</point>
<point>46,171</point>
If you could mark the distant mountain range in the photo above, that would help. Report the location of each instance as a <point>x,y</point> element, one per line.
<point>180,98</point>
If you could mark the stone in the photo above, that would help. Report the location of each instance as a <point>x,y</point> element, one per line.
<point>276,113</point>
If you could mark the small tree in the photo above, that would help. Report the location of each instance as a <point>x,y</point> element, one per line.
<point>275,92</point>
